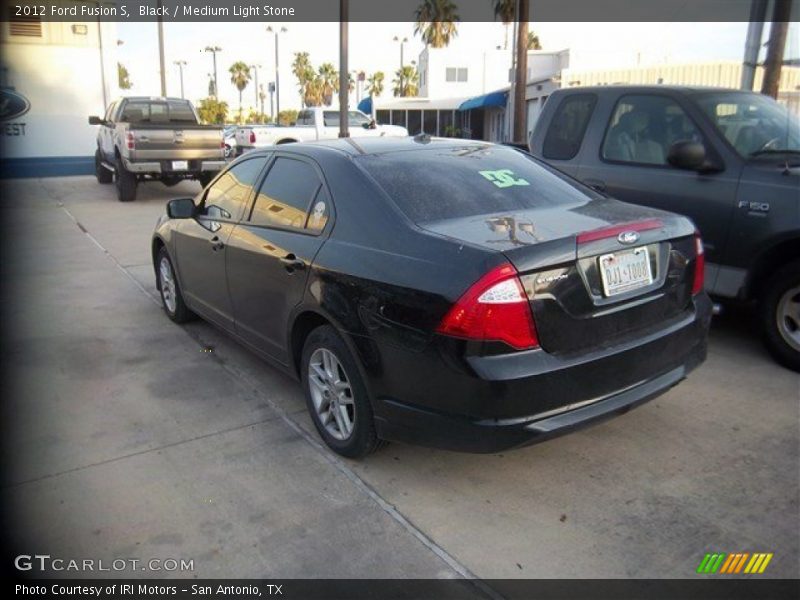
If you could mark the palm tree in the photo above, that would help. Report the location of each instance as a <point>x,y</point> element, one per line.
<point>533,41</point>
<point>436,22</point>
<point>302,69</point>
<point>313,93</point>
<point>375,84</point>
<point>240,77</point>
<point>409,77</point>
<point>329,78</point>
<point>505,11</point>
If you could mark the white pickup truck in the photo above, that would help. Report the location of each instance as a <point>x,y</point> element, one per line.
<point>312,124</point>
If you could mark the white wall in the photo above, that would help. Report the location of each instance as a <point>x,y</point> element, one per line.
<point>60,76</point>
<point>488,71</point>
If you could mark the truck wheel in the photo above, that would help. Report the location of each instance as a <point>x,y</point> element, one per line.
<point>780,315</point>
<point>126,182</point>
<point>103,175</point>
<point>205,179</point>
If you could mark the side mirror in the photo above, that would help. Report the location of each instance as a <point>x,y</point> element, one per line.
<point>181,208</point>
<point>95,120</point>
<point>685,154</point>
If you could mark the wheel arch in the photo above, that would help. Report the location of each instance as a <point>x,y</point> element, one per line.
<point>768,262</point>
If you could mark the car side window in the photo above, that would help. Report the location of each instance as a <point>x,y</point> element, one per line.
<point>286,194</point>
<point>227,196</point>
<point>305,118</point>
<point>566,131</point>
<point>643,127</point>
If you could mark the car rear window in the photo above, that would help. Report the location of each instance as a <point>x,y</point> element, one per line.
<point>432,184</point>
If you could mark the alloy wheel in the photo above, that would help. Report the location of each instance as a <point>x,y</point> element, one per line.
<point>331,394</point>
<point>168,291</point>
<point>788,316</point>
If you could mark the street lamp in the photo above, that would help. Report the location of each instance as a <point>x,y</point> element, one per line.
<point>402,41</point>
<point>214,50</point>
<point>181,64</point>
<point>256,68</point>
<point>277,31</point>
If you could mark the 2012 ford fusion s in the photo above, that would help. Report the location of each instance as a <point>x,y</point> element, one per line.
<point>441,292</point>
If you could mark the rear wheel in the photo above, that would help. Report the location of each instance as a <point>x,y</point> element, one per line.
<point>103,175</point>
<point>336,395</point>
<point>171,296</point>
<point>780,315</point>
<point>125,181</point>
<point>205,179</point>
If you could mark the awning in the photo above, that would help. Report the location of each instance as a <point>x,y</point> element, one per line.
<point>365,105</point>
<point>497,99</point>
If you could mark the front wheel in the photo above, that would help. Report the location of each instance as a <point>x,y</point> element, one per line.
<point>780,315</point>
<point>171,296</point>
<point>336,395</point>
<point>103,175</point>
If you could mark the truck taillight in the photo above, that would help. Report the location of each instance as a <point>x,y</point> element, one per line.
<point>130,140</point>
<point>699,265</point>
<point>495,308</point>
<point>252,137</point>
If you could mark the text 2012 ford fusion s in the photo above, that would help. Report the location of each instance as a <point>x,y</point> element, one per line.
<point>441,292</point>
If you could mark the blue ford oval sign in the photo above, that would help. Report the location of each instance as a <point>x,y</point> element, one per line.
<point>628,237</point>
<point>12,105</point>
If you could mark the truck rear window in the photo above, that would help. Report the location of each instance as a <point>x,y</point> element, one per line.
<point>157,112</point>
<point>432,184</point>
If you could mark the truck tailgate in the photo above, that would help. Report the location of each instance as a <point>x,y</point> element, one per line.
<point>177,143</point>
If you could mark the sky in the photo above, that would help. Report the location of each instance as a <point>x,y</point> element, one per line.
<point>592,46</point>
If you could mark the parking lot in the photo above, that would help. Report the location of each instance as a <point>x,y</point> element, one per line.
<point>129,436</point>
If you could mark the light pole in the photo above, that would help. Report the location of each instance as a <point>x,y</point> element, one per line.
<point>344,9</point>
<point>214,50</point>
<point>181,64</point>
<point>271,100</point>
<point>256,68</point>
<point>277,31</point>
<point>402,41</point>
<point>262,96</point>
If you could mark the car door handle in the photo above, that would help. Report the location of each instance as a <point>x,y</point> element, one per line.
<point>596,184</point>
<point>291,263</point>
<point>216,243</point>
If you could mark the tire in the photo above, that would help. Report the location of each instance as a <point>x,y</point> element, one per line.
<point>125,181</point>
<point>103,175</point>
<point>228,151</point>
<point>319,377</point>
<point>205,179</point>
<point>171,296</point>
<point>779,310</point>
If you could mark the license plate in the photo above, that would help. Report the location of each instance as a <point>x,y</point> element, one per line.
<point>625,271</point>
<point>180,165</point>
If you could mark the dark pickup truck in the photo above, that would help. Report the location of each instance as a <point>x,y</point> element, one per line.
<point>728,159</point>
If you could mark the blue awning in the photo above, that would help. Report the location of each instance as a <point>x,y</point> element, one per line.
<point>498,99</point>
<point>365,105</point>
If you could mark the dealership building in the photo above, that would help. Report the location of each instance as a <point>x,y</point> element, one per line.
<point>53,75</point>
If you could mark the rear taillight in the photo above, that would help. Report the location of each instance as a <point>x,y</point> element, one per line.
<point>495,308</point>
<point>130,140</point>
<point>252,137</point>
<point>699,265</point>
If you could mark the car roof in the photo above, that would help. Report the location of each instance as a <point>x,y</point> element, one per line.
<point>378,145</point>
<point>682,89</point>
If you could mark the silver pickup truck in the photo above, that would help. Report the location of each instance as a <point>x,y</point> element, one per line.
<point>151,138</point>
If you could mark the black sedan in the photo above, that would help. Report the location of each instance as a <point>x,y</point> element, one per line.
<point>448,293</point>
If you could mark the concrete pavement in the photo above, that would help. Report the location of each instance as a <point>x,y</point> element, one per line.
<point>130,438</point>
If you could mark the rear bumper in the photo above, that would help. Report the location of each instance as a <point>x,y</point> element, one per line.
<point>152,167</point>
<point>533,396</point>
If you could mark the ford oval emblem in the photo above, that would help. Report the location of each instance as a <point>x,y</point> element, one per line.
<point>628,237</point>
<point>12,104</point>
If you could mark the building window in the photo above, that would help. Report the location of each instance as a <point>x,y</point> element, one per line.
<point>414,122</point>
<point>429,121</point>
<point>25,26</point>
<point>456,74</point>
